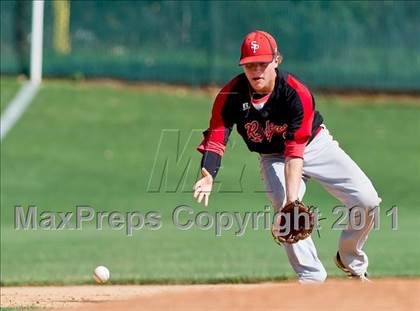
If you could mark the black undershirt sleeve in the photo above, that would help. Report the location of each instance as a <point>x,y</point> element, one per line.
<point>211,161</point>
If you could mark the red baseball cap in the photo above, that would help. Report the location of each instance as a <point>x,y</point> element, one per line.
<point>258,47</point>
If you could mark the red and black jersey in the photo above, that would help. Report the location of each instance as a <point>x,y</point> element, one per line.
<point>285,125</point>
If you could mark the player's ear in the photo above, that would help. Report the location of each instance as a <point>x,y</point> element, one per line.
<point>278,58</point>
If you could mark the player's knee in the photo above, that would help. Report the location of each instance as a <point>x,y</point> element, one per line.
<point>367,198</point>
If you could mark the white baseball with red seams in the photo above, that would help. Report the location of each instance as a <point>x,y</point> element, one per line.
<point>101,274</point>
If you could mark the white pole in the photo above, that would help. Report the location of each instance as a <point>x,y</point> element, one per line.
<point>36,40</point>
<point>23,98</point>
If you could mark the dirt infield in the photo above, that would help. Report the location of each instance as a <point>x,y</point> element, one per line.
<point>382,294</point>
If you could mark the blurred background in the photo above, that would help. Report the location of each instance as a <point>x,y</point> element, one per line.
<point>332,44</point>
<point>116,120</point>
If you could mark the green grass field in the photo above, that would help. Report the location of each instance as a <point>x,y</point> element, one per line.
<point>96,145</point>
<point>8,88</point>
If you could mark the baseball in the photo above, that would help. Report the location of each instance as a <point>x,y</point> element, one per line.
<point>101,274</point>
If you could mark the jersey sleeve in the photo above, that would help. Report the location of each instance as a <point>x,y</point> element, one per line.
<point>216,136</point>
<point>302,115</point>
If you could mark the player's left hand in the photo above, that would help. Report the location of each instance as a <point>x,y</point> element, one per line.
<point>202,188</point>
<point>295,222</point>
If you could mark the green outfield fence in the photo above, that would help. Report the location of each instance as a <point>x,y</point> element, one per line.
<point>330,45</point>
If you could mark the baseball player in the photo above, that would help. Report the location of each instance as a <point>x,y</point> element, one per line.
<point>275,114</point>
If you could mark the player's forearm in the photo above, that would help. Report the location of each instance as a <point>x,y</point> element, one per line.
<point>211,161</point>
<point>293,174</point>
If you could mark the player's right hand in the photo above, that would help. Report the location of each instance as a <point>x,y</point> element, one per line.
<point>202,188</point>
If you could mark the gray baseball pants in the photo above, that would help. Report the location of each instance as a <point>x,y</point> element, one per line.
<point>328,164</point>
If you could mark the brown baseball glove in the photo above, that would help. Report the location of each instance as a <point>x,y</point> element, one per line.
<point>294,222</point>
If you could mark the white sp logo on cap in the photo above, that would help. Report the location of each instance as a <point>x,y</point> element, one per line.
<point>254,46</point>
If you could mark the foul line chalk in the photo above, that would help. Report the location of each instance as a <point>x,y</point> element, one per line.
<point>17,107</point>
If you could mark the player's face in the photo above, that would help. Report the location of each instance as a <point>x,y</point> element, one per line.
<point>261,76</point>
